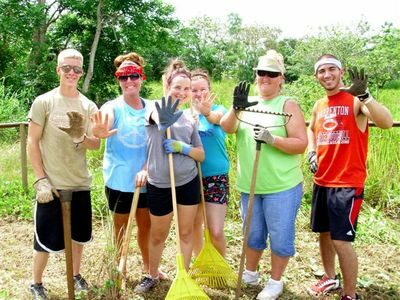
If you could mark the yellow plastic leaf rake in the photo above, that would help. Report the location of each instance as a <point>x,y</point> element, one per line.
<point>210,267</point>
<point>183,287</point>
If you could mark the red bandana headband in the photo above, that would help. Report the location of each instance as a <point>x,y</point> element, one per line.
<point>129,70</point>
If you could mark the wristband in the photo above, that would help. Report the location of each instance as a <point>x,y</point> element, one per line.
<point>78,143</point>
<point>39,180</point>
<point>363,97</point>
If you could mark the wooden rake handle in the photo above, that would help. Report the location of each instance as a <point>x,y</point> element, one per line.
<point>127,239</point>
<point>173,192</point>
<point>203,200</point>
<point>248,219</point>
<point>65,197</point>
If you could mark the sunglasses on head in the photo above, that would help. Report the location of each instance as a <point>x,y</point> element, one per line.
<point>262,73</point>
<point>133,77</point>
<point>68,68</point>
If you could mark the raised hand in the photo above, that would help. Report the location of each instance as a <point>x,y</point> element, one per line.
<point>174,146</point>
<point>359,82</point>
<point>76,129</point>
<point>100,127</point>
<point>204,104</point>
<point>263,135</point>
<point>312,160</point>
<point>44,190</point>
<point>167,114</point>
<point>241,95</point>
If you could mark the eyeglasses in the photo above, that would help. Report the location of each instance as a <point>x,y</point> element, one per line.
<point>262,73</point>
<point>68,68</point>
<point>133,77</point>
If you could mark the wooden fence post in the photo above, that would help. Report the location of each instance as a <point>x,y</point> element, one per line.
<point>24,173</point>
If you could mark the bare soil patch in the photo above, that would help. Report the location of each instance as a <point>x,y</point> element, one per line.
<point>379,274</point>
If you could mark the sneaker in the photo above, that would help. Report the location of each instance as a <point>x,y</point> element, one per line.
<point>345,297</point>
<point>80,284</point>
<point>38,291</point>
<point>146,284</point>
<point>250,277</point>
<point>272,290</point>
<point>324,286</point>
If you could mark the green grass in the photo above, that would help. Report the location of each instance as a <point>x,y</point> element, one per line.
<point>378,231</point>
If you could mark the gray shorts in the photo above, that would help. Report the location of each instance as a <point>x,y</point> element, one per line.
<point>48,225</point>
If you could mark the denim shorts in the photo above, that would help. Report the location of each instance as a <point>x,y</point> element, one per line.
<point>273,216</point>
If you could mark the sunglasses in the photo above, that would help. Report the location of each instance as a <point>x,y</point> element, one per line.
<point>68,68</point>
<point>270,74</point>
<point>133,77</point>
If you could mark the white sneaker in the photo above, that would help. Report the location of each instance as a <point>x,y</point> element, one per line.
<point>271,291</point>
<point>250,278</point>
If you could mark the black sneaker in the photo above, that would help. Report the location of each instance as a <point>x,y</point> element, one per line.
<point>38,291</point>
<point>80,284</point>
<point>146,284</point>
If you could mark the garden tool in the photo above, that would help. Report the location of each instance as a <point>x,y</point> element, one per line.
<point>210,267</point>
<point>121,279</point>
<point>183,287</point>
<point>65,199</point>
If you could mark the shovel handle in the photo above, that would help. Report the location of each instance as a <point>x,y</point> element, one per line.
<point>65,199</point>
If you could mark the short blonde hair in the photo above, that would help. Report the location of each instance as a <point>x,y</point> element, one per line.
<point>69,53</point>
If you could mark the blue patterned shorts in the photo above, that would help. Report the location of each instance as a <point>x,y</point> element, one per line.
<point>216,189</point>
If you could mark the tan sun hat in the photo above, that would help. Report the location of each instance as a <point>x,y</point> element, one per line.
<point>272,61</point>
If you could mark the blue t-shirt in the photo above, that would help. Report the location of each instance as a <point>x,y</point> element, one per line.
<point>125,152</point>
<point>213,140</point>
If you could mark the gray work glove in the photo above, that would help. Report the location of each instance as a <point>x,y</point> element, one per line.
<point>76,129</point>
<point>241,95</point>
<point>263,135</point>
<point>359,82</point>
<point>44,190</point>
<point>167,114</point>
<point>312,160</point>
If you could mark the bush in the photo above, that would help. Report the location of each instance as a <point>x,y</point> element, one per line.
<point>12,109</point>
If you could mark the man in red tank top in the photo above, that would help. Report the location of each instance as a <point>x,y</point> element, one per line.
<point>338,143</point>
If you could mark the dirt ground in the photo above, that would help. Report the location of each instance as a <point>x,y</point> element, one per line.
<point>379,274</point>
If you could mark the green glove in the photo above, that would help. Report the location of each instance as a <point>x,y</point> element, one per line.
<point>359,82</point>
<point>76,130</point>
<point>174,146</point>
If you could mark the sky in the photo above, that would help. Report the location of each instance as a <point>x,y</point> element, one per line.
<point>294,18</point>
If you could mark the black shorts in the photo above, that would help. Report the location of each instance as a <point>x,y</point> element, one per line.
<point>48,225</point>
<point>160,199</point>
<point>336,210</point>
<point>121,202</point>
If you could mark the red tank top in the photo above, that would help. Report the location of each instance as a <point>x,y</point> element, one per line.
<point>341,146</point>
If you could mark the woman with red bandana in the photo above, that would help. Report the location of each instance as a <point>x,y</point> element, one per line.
<point>121,121</point>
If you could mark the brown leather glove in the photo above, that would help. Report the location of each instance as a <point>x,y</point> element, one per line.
<point>76,129</point>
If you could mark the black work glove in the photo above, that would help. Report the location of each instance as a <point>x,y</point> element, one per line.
<point>166,113</point>
<point>312,160</point>
<point>359,82</point>
<point>240,96</point>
